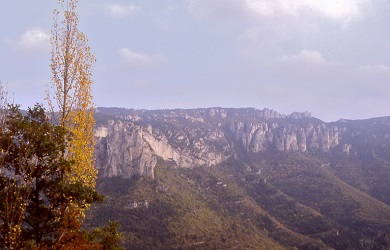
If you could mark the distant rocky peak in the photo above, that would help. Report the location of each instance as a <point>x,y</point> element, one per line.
<point>298,115</point>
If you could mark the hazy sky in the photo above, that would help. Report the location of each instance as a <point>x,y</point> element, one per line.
<point>328,57</point>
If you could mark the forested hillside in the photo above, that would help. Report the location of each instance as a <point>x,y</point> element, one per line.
<point>332,195</point>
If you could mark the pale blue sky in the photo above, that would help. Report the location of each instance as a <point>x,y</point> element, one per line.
<point>331,58</point>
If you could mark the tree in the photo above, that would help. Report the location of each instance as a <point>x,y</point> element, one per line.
<point>32,191</point>
<point>47,174</point>
<point>3,103</point>
<point>70,92</point>
<point>107,237</point>
<point>12,193</point>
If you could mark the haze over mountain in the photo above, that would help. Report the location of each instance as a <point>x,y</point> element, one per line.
<point>212,178</point>
<point>243,178</point>
<point>330,57</point>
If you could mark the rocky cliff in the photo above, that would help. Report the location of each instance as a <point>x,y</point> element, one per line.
<point>130,141</point>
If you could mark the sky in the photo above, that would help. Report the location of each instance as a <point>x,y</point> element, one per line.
<point>331,58</point>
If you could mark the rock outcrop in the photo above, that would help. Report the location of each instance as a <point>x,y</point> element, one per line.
<point>130,142</point>
<point>256,137</point>
<point>125,148</point>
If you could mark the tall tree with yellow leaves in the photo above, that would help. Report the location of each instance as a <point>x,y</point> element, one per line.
<point>70,96</point>
<point>70,92</point>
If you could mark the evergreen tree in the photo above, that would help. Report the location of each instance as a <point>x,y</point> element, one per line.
<point>32,189</point>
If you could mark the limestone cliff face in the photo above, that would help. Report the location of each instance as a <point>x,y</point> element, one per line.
<point>257,137</point>
<point>130,142</point>
<point>124,148</point>
<point>122,151</point>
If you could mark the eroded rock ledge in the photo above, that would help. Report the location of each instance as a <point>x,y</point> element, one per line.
<point>130,141</point>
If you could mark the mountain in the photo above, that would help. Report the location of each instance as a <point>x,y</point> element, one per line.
<point>243,178</point>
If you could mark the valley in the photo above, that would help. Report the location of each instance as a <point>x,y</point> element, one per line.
<point>242,179</point>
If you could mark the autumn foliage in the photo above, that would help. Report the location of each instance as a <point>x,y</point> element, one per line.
<point>70,94</point>
<point>47,174</point>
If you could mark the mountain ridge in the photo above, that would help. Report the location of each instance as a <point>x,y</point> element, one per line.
<point>210,136</point>
<point>243,178</point>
